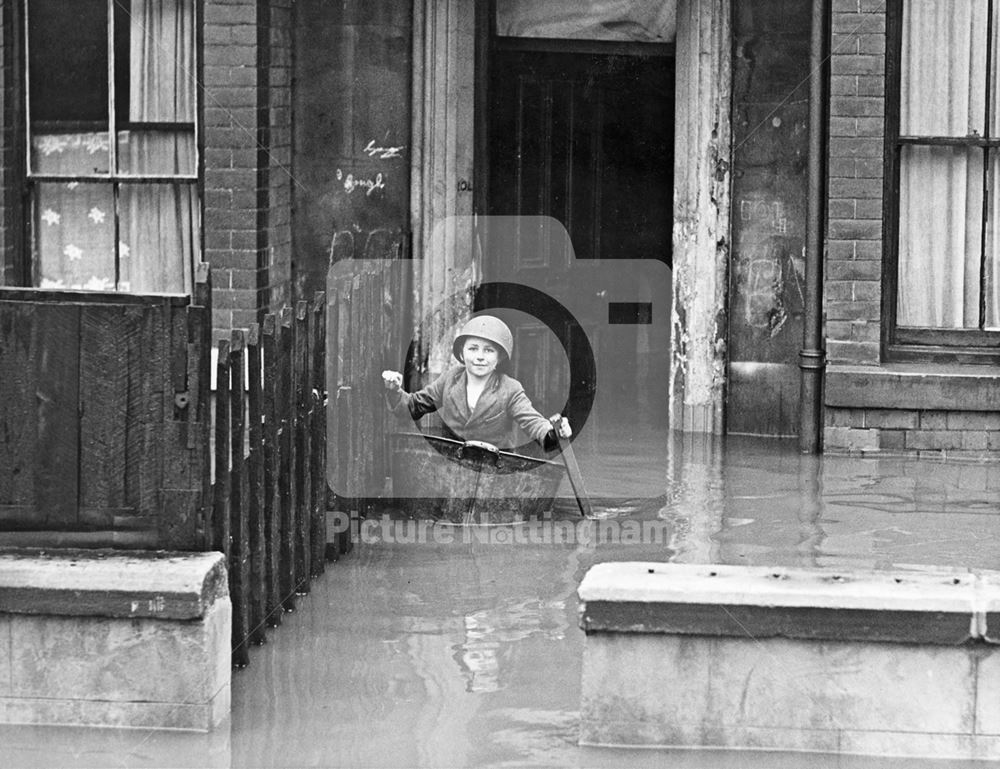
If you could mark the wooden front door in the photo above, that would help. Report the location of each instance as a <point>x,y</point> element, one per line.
<point>586,138</point>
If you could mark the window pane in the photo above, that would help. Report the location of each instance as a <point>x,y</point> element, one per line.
<point>159,232</point>
<point>74,234</point>
<point>161,61</point>
<point>157,153</point>
<point>162,89</point>
<point>68,60</point>
<point>70,153</point>
<point>943,68</point>
<point>68,86</point>
<point>991,277</point>
<point>940,236</point>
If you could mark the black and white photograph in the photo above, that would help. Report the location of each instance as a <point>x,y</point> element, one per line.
<point>500,383</point>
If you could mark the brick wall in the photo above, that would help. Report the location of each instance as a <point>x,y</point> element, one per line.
<point>853,287</point>
<point>280,179</point>
<point>239,125</point>
<point>952,434</point>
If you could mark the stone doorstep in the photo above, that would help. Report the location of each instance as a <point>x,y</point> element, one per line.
<point>922,606</point>
<point>917,700</point>
<point>114,638</point>
<point>111,583</point>
<point>901,663</point>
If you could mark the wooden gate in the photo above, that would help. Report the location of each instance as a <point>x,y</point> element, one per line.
<point>104,406</point>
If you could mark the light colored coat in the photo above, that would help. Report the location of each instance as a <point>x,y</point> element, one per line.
<point>502,405</point>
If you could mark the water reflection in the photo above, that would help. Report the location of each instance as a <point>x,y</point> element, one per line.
<point>490,634</point>
<point>743,500</point>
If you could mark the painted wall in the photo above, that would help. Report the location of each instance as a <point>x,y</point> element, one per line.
<point>770,156</point>
<point>353,71</point>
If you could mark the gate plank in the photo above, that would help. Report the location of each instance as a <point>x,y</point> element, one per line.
<point>105,372</point>
<point>57,384</point>
<point>18,434</point>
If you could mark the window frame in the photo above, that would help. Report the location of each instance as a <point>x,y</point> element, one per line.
<point>902,343</point>
<point>27,264</point>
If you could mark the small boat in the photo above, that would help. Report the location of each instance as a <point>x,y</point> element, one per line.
<point>469,482</point>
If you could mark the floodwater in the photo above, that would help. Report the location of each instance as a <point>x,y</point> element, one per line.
<point>438,646</point>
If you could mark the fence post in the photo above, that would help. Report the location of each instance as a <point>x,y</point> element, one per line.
<point>239,561</point>
<point>255,477</point>
<point>286,462</point>
<point>220,500</point>
<point>303,386</point>
<point>317,329</point>
<point>342,409</point>
<point>200,389</point>
<point>272,495</point>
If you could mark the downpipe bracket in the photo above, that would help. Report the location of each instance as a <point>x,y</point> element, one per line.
<point>812,360</point>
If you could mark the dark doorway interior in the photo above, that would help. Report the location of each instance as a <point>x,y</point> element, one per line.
<point>586,137</point>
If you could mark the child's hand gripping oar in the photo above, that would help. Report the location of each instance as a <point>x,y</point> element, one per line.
<point>560,425</point>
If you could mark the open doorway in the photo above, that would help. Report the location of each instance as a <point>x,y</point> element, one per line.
<point>583,131</point>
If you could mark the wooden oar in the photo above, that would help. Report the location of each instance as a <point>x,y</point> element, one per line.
<point>573,471</point>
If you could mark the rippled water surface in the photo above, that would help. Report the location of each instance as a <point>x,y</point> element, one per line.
<point>437,646</point>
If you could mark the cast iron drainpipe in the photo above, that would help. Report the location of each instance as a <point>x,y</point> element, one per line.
<point>812,357</point>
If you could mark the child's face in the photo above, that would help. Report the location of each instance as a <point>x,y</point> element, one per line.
<point>480,356</point>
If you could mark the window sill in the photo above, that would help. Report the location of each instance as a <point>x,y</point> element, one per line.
<point>81,296</point>
<point>916,386</point>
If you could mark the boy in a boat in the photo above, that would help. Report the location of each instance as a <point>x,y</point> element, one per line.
<point>475,400</point>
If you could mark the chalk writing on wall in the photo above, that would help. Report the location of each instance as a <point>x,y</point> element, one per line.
<point>368,186</point>
<point>770,213</point>
<point>770,271</point>
<point>380,243</point>
<point>773,281</point>
<point>383,153</point>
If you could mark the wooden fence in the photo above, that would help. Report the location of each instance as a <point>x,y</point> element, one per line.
<point>268,512</point>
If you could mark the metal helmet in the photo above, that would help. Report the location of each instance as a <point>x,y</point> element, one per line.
<point>485,327</point>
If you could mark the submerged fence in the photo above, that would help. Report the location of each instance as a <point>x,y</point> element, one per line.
<point>268,511</point>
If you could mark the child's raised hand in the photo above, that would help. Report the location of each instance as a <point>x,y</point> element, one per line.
<point>561,425</point>
<point>393,380</point>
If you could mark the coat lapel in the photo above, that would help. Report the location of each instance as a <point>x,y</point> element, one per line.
<point>458,404</point>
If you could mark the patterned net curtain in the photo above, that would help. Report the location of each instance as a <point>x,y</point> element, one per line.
<point>127,235</point>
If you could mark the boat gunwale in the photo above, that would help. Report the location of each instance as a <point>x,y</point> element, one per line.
<point>461,444</point>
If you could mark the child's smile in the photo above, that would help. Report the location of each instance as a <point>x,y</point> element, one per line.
<point>480,357</point>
